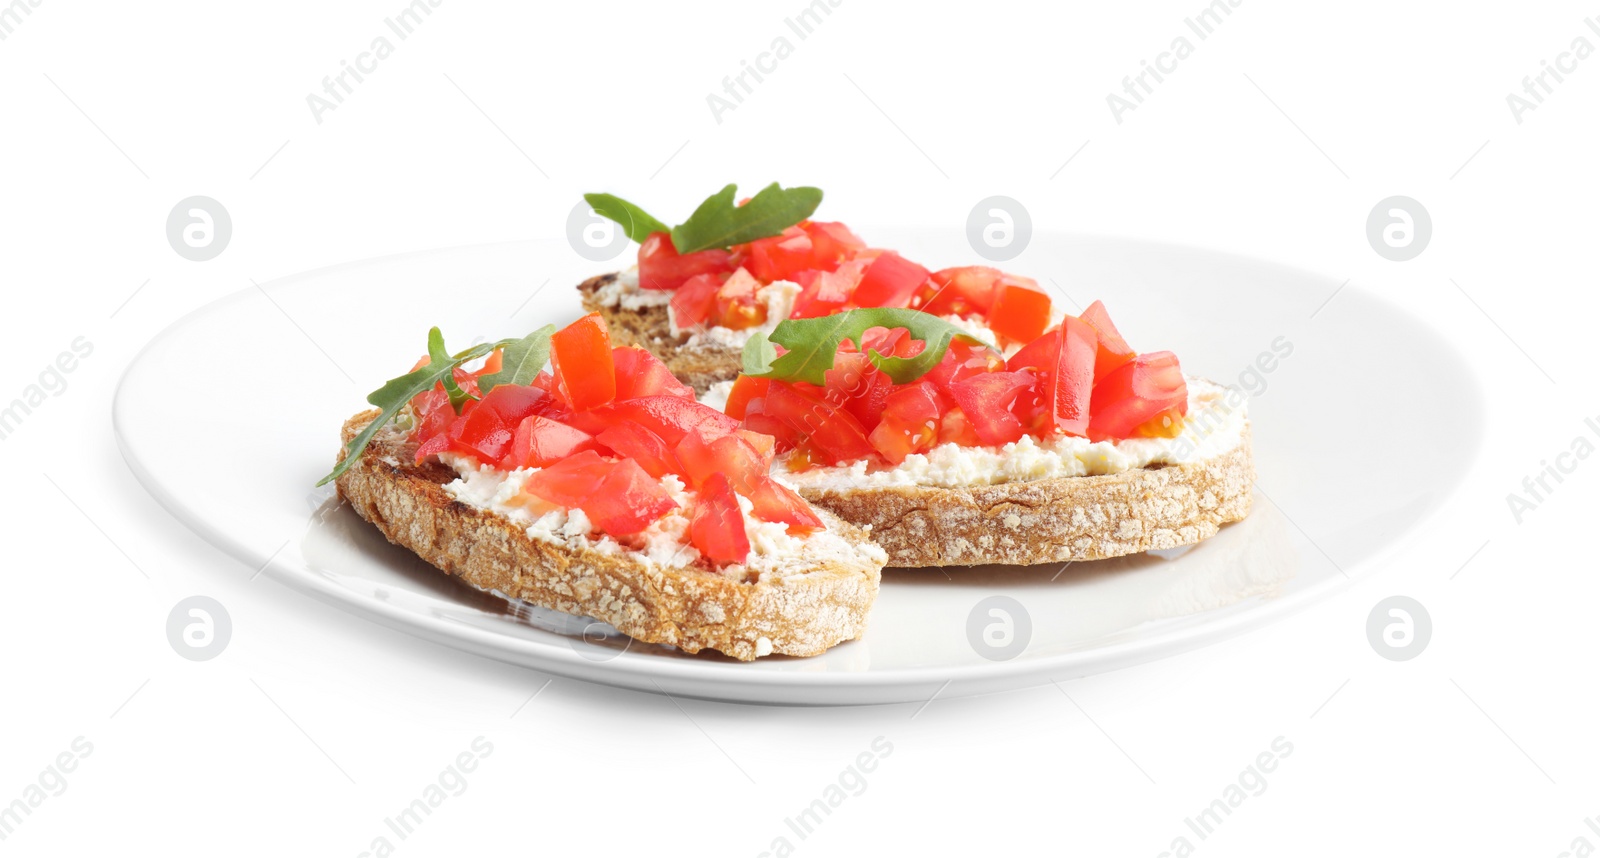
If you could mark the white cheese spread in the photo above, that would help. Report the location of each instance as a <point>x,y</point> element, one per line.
<point>665,542</point>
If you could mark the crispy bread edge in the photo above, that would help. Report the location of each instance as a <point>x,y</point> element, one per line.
<point>800,614</point>
<point>1052,520</point>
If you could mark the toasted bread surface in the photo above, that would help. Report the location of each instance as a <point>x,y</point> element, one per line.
<point>1051,520</point>
<point>805,610</point>
<point>697,364</point>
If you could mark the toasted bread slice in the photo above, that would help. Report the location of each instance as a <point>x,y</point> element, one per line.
<point>696,362</point>
<point>1051,520</point>
<point>793,606</point>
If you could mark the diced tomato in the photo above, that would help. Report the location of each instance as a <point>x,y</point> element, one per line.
<point>717,525</point>
<point>730,455</point>
<point>823,293</point>
<point>570,481</point>
<point>745,389</point>
<point>439,443</point>
<point>540,441</point>
<point>1063,362</point>
<point>780,257</point>
<point>513,402</point>
<point>581,355</point>
<point>986,400</point>
<point>1112,351</point>
<point>1167,424</point>
<point>479,432</point>
<point>774,501</point>
<point>960,291</point>
<point>594,421</point>
<point>783,436</point>
<point>737,305</point>
<point>890,281</point>
<point>963,360</point>
<point>955,428</point>
<point>492,363</point>
<point>640,373</point>
<point>765,445</point>
<point>695,302</point>
<point>858,386</point>
<point>1021,311</point>
<point>671,417</point>
<point>627,500</point>
<point>661,267</point>
<point>832,431</point>
<point>831,244</point>
<point>433,413</point>
<point>632,441</point>
<point>1135,393</point>
<point>891,342</point>
<point>910,423</point>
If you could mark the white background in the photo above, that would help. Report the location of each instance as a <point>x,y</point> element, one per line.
<point>1274,139</point>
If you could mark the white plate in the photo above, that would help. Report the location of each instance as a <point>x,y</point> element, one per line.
<point>265,371</point>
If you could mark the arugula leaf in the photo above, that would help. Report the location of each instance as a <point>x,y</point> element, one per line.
<point>521,361</point>
<point>396,392</point>
<point>812,344</point>
<point>718,222</point>
<point>437,357</point>
<point>635,221</point>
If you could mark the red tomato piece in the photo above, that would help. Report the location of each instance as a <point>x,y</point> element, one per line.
<point>737,305</point>
<point>960,291</point>
<point>640,373</point>
<point>672,417</point>
<point>961,361</point>
<point>745,389</point>
<point>513,402</point>
<point>661,267</point>
<point>831,431</point>
<point>762,423</point>
<point>492,363</point>
<point>632,441</point>
<point>695,302</point>
<point>717,525</point>
<point>1063,361</point>
<point>1112,350</point>
<point>858,386</point>
<point>1135,393</point>
<point>439,443</point>
<point>890,281</point>
<point>479,432</point>
<point>824,293</point>
<point>627,500</point>
<point>1021,311</point>
<point>540,441</point>
<point>569,482</point>
<point>779,257</point>
<point>955,428</point>
<point>765,445</point>
<point>774,501</point>
<point>986,400</point>
<point>891,342</point>
<point>910,423</point>
<point>581,356</point>
<point>1167,424</point>
<point>730,455</point>
<point>831,244</point>
<point>433,413</point>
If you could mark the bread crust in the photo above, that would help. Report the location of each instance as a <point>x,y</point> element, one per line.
<point>801,613</point>
<point>1052,520</point>
<point>650,328</point>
